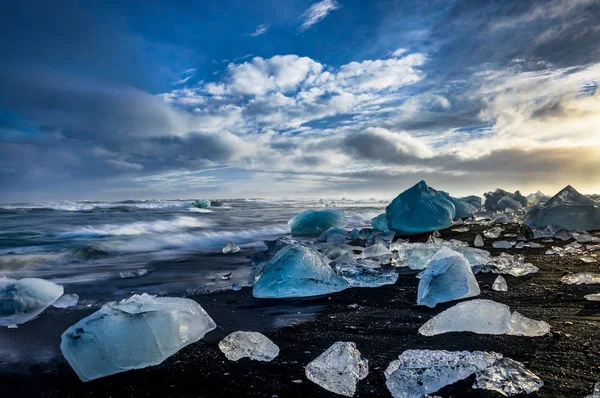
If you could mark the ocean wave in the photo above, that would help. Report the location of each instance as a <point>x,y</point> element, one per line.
<point>128,205</point>
<point>136,228</point>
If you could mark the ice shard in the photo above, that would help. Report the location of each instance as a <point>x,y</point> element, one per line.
<point>134,333</point>
<point>253,345</point>
<point>361,274</point>
<point>514,265</point>
<point>581,278</point>
<point>24,299</point>
<point>419,209</point>
<point>230,248</point>
<point>500,284</point>
<point>448,277</point>
<point>478,242</point>
<point>315,222</point>
<point>376,251</point>
<point>66,301</point>
<point>508,377</point>
<point>297,271</point>
<point>338,369</point>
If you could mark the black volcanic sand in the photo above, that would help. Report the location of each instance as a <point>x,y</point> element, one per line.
<point>384,325</point>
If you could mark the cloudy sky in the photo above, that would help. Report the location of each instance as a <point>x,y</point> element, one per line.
<point>232,98</point>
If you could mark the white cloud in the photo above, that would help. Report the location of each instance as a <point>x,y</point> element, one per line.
<point>260,30</point>
<point>317,12</point>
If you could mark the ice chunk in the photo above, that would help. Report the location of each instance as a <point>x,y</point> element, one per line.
<point>448,277</point>
<point>508,203</point>
<point>24,299</point>
<point>338,369</point>
<point>567,209</point>
<point>585,237</point>
<point>134,333</point>
<point>336,239</point>
<point>503,244</point>
<point>418,373</point>
<point>483,317</point>
<point>478,242</point>
<point>361,274</point>
<point>419,209</point>
<point>514,265</point>
<point>462,209</point>
<point>461,229</point>
<point>500,284</point>
<point>417,255</point>
<point>580,278</point>
<point>297,271</point>
<point>493,233</point>
<point>354,235</point>
<point>216,203</point>
<point>473,200</point>
<point>376,251</point>
<point>380,223</point>
<point>592,297</point>
<point>508,377</point>
<point>66,301</point>
<point>588,259</point>
<point>535,198</point>
<point>331,231</point>
<point>493,199</point>
<point>201,203</point>
<point>135,273</point>
<point>315,222</point>
<point>253,345</point>
<point>230,248</point>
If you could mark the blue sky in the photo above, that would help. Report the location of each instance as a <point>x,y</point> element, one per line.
<point>167,99</point>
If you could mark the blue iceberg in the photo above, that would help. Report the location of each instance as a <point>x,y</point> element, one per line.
<point>315,222</point>
<point>201,203</point>
<point>567,209</point>
<point>331,232</point>
<point>297,271</point>
<point>419,209</point>
<point>448,277</point>
<point>24,299</point>
<point>380,223</point>
<point>462,209</point>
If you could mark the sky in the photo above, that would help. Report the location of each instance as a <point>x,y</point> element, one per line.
<point>111,100</point>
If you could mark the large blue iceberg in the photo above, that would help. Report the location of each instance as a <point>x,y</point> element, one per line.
<point>315,222</point>
<point>24,299</point>
<point>135,333</point>
<point>448,277</point>
<point>420,209</point>
<point>567,209</point>
<point>297,271</point>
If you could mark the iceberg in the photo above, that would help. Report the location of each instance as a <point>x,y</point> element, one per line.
<point>201,203</point>
<point>419,209</point>
<point>567,209</point>
<point>330,232</point>
<point>230,248</point>
<point>66,301</point>
<point>134,333</point>
<point>535,198</point>
<point>253,345</point>
<point>500,284</point>
<point>483,317</point>
<point>448,277</point>
<point>338,369</point>
<point>502,200</point>
<point>473,200</point>
<point>24,299</point>
<point>462,209</point>
<point>418,373</point>
<point>315,222</point>
<point>581,278</point>
<point>508,377</point>
<point>380,223</point>
<point>216,203</point>
<point>297,271</point>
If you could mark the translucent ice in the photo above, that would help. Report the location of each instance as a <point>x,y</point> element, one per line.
<point>331,231</point>
<point>253,345</point>
<point>376,251</point>
<point>473,200</point>
<point>478,242</point>
<point>580,278</point>
<point>567,209</point>
<point>419,209</point>
<point>380,223</point>
<point>535,198</point>
<point>417,255</point>
<point>338,369</point>
<point>361,274</point>
<point>462,209</point>
<point>135,333</point>
<point>514,265</point>
<point>315,222</point>
<point>201,203</point>
<point>483,317</point>
<point>297,271</point>
<point>66,301</point>
<point>503,244</point>
<point>508,203</point>
<point>492,200</point>
<point>493,233</point>
<point>230,248</point>
<point>448,277</point>
<point>508,377</point>
<point>24,299</point>
<point>417,373</point>
<point>500,284</point>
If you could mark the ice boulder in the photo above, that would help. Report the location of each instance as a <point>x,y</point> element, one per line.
<point>297,271</point>
<point>324,237</point>
<point>419,209</point>
<point>448,277</point>
<point>508,203</point>
<point>462,209</point>
<point>201,203</point>
<point>493,199</point>
<point>338,369</point>
<point>315,222</point>
<point>134,333</point>
<point>380,223</point>
<point>473,200</point>
<point>567,209</point>
<point>417,255</point>
<point>253,345</point>
<point>24,299</point>
<point>230,248</point>
<point>483,317</point>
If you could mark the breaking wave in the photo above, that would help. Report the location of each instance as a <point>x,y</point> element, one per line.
<point>128,205</point>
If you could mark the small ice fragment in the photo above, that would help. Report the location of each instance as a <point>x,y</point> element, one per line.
<point>230,248</point>
<point>338,369</point>
<point>251,345</point>
<point>376,251</point>
<point>235,287</point>
<point>478,242</point>
<point>354,235</point>
<point>589,259</point>
<point>514,265</point>
<point>66,301</point>
<point>493,233</point>
<point>24,299</point>
<point>136,273</point>
<point>460,229</point>
<point>337,239</point>
<point>580,278</point>
<point>12,326</point>
<point>508,377</point>
<point>592,297</point>
<point>500,284</point>
<point>520,325</point>
<point>503,244</point>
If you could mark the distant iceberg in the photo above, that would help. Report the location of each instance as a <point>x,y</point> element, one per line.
<point>315,222</point>
<point>201,203</point>
<point>502,200</point>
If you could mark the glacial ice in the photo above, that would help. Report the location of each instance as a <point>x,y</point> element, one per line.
<point>535,198</point>
<point>478,242</point>
<point>336,239</point>
<point>508,203</point>
<point>338,369</point>
<point>331,231</point>
<point>201,203</point>
<point>592,297</point>
<point>417,255</point>
<point>376,251</point>
<point>24,299</point>
<point>500,284</point>
<point>297,271</point>
<point>474,201</point>
<point>361,274</point>
<point>134,273</point>
<point>503,244</point>
<point>567,209</point>
<point>216,203</point>
<point>462,209</point>
<point>419,209</point>
<point>230,248</point>
<point>448,277</point>
<point>253,345</point>
<point>355,234</point>
<point>505,263</point>
<point>134,333</point>
<point>508,377</point>
<point>418,373</point>
<point>315,222</point>
<point>581,278</point>
<point>493,233</point>
<point>492,199</point>
<point>483,317</point>
<point>66,301</point>
<point>380,223</point>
